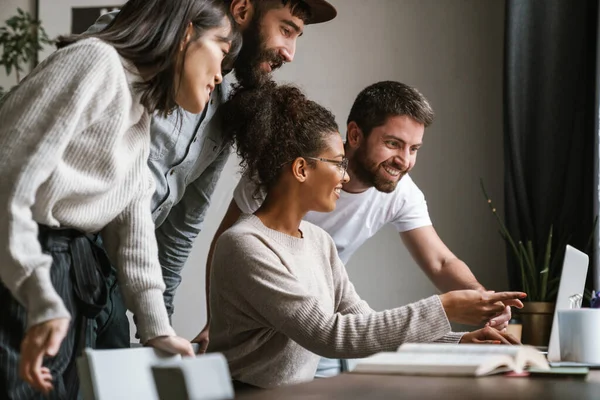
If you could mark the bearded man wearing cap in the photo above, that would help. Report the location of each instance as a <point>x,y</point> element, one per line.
<point>188,152</point>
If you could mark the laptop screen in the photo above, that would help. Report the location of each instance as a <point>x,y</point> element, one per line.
<point>572,281</point>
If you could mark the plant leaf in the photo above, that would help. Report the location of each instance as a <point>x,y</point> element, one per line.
<point>546,266</point>
<point>532,295</point>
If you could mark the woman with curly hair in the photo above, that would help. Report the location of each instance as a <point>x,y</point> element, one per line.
<point>279,295</point>
<point>74,146</point>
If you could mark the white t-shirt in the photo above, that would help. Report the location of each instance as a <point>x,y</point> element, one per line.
<point>357,216</point>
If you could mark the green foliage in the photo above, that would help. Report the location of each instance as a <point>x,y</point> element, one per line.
<point>20,40</point>
<point>540,273</point>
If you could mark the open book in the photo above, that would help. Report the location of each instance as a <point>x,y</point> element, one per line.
<point>453,359</point>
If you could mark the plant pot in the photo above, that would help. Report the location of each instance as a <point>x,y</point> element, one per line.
<point>536,318</point>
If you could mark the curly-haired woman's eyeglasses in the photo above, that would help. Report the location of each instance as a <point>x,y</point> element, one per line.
<point>341,164</point>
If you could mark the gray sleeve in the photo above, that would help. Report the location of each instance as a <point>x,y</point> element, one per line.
<point>452,337</point>
<point>177,233</point>
<point>130,242</point>
<point>102,22</point>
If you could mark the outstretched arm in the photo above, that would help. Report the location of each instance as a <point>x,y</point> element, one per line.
<point>444,269</point>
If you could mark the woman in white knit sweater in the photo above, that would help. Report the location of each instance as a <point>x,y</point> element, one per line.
<point>74,143</point>
<point>279,294</point>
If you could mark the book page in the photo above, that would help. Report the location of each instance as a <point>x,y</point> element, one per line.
<point>421,363</point>
<point>442,348</point>
<point>522,356</point>
<point>529,356</point>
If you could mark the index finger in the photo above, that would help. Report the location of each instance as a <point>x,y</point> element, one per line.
<point>503,296</point>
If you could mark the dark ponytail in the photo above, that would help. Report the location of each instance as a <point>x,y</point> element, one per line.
<point>272,125</point>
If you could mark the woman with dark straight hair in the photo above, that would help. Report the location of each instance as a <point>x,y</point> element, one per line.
<point>74,144</point>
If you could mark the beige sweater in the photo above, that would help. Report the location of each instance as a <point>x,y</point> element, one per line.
<point>279,302</point>
<point>74,143</point>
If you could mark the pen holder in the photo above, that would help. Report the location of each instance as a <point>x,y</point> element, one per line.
<point>579,335</point>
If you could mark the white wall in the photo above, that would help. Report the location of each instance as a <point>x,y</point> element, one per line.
<point>452,51</point>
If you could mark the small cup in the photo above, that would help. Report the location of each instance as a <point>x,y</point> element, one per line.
<point>579,335</point>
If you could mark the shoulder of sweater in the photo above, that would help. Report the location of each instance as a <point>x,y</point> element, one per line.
<point>92,51</point>
<point>241,233</point>
<point>90,60</point>
<point>95,57</point>
<point>235,247</point>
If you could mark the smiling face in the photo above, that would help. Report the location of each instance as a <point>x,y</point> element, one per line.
<point>269,42</point>
<point>325,179</point>
<point>388,153</point>
<point>201,70</point>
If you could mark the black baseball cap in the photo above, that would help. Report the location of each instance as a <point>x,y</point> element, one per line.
<point>320,11</point>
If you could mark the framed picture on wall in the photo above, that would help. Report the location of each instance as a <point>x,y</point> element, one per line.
<point>60,17</point>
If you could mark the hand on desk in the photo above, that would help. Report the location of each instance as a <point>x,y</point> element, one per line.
<point>489,335</point>
<point>474,307</point>
<point>172,344</point>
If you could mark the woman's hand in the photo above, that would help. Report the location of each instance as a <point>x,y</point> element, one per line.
<point>474,307</point>
<point>500,322</point>
<point>41,340</point>
<point>489,335</point>
<point>172,344</point>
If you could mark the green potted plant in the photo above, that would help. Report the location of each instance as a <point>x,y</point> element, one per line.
<point>20,40</point>
<point>539,277</point>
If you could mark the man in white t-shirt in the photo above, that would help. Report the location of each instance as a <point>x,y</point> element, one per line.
<point>384,133</point>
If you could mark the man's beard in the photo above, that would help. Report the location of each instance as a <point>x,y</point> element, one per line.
<point>253,53</point>
<point>368,173</point>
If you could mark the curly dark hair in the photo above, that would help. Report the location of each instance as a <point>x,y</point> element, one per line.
<point>375,103</point>
<point>272,125</point>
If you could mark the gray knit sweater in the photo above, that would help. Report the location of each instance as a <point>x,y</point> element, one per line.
<point>74,144</point>
<point>279,302</point>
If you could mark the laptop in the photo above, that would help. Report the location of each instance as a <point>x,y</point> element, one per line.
<point>572,281</point>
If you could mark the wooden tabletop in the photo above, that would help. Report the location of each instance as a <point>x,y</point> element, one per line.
<point>362,386</point>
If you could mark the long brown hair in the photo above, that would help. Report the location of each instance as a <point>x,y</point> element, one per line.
<point>149,33</point>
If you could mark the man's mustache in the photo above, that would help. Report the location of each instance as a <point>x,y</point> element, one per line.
<point>274,59</point>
